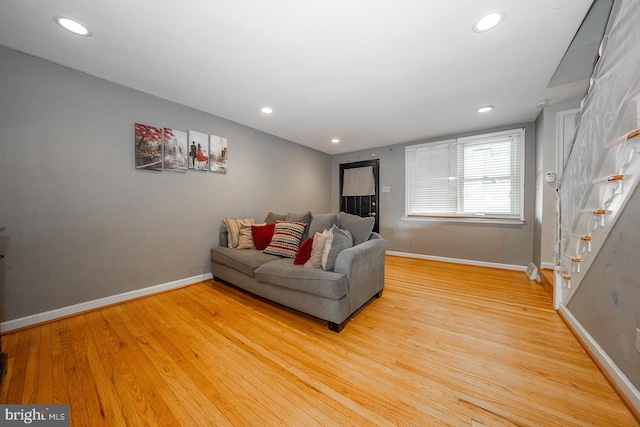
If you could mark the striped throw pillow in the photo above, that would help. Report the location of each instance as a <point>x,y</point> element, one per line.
<point>233,228</point>
<point>286,239</point>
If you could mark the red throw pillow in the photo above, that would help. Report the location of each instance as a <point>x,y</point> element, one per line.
<point>262,235</point>
<point>304,252</point>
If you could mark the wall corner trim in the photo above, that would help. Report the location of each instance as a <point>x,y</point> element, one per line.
<point>47,316</point>
<point>621,384</point>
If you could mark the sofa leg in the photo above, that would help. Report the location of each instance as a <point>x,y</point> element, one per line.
<point>217,279</point>
<point>336,327</point>
<point>379,294</point>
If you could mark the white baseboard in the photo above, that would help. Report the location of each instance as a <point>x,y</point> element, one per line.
<point>547,265</point>
<point>460,261</point>
<point>101,302</point>
<point>617,376</point>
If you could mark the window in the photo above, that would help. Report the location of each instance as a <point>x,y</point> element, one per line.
<point>477,176</point>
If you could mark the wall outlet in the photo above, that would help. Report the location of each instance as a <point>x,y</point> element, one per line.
<point>638,340</point>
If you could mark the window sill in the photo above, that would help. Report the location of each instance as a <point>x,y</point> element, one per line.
<point>477,220</point>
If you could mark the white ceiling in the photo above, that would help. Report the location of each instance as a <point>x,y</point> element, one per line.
<point>370,72</point>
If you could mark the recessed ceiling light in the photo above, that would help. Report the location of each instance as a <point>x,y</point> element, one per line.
<point>485,109</point>
<point>335,140</point>
<point>72,25</point>
<point>267,110</point>
<point>488,21</point>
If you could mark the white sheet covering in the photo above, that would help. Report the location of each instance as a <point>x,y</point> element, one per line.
<point>359,182</point>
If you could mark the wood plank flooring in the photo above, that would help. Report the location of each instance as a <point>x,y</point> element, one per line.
<point>445,345</point>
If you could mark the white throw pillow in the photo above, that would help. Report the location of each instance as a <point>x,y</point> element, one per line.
<point>315,260</point>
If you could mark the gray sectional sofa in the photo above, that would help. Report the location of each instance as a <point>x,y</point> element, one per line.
<point>332,295</point>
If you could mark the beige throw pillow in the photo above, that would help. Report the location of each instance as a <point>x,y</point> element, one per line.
<point>233,228</point>
<point>246,238</point>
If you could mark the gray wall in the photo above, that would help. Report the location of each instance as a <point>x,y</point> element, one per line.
<point>492,243</point>
<point>546,161</point>
<point>83,223</point>
<point>538,207</point>
<point>606,303</point>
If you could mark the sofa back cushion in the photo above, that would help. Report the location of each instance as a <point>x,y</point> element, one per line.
<point>273,217</point>
<point>286,239</point>
<point>321,222</point>
<point>359,227</point>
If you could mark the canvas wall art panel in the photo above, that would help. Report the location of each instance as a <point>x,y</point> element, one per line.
<point>148,147</point>
<point>176,151</point>
<point>217,154</point>
<point>198,151</point>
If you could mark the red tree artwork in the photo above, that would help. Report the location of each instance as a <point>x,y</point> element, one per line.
<point>148,144</point>
<point>168,133</point>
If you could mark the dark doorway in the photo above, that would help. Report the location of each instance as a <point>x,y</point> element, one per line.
<point>362,204</point>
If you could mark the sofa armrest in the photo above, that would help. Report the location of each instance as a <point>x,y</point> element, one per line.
<point>224,238</point>
<point>364,266</point>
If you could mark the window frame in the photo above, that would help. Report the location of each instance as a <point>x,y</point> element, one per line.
<point>477,216</point>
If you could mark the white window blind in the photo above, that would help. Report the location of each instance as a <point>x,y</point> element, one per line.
<point>474,176</point>
<point>431,172</point>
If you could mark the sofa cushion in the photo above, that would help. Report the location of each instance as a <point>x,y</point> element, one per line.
<point>337,241</point>
<point>299,217</point>
<point>272,218</point>
<point>233,228</point>
<point>262,235</point>
<point>310,280</point>
<point>359,227</point>
<point>321,222</point>
<point>245,261</point>
<point>286,239</point>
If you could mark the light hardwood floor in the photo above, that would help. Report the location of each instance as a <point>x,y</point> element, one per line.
<point>445,345</point>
